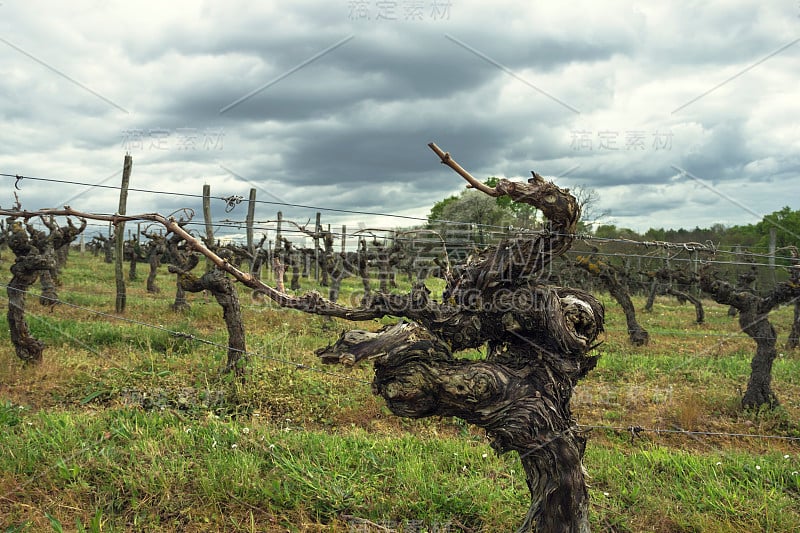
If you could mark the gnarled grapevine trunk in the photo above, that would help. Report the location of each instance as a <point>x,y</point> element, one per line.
<point>794,335</point>
<point>25,271</point>
<point>59,240</point>
<point>29,264</point>
<point>155,249</point>
<point>538,337</point>
<point>663,280</point>
<point>363,265</point>
<point>520,395</point>
<point>651,296</point>
<point>754,321</point>
<point>49,296</point>
<point>225,293</point>
<point>184,261</point>
<point>608,276</point>
<point>744,281</point>
<point>700,315</point>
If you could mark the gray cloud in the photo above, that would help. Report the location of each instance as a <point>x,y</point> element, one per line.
<point>349,129</point>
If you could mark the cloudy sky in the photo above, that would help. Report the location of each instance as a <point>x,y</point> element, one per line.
<point>679,114</point>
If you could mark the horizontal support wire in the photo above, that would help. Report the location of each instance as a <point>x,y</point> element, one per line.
<point>732,335</point>
<point>633,430</point>
<point>226,199</point>
<point>471,245</point>
<point>503,232</point>
<point>505,229</point>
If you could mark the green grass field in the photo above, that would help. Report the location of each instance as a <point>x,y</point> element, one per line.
<point>127,427</point>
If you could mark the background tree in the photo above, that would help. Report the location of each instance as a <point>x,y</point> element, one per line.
<point>786,224</point>
<point>588,200</point>
<point>477,213</point>
<point>611,231</point>
<point>436,216</point>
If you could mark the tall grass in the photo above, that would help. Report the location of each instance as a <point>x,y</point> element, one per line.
<point>126,427</point>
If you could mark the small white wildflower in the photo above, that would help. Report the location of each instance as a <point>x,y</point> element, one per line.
<point>786,456</point>
<point>758,467</point>
<point>29,423</point>
<point>719,463</point>
<point>485,455</point>
<point>606,494</point>
<point>187,430</point>
<point>214,444</point>
<point>794,473</point>
<point>464,468</point>
<point>271,446</point>
<point>233,446</point>
<point>245,430</point>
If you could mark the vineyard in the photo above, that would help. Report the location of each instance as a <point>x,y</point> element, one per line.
<point>218,391</point>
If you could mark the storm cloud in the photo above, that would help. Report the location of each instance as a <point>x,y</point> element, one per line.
<point>331,105</point>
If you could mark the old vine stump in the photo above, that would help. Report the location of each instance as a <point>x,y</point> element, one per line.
<point>537,338</point>
<point>754,321</point>
<point>609,276</point>
<point>225,293</point>
<point>27,267</point>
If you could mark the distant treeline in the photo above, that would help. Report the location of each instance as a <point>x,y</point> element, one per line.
<point>754,237</point>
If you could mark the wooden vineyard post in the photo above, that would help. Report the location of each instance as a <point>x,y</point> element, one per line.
<point>278,267</point>
<point>317,227</point>
<point>251,209</point>
<point>119,233</point>
<point>209,240</point>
